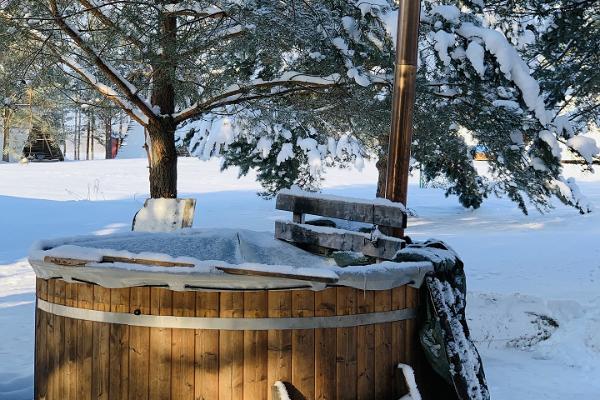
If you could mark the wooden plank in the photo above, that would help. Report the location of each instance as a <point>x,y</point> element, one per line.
<point>119,347</point>
<point>76,262</point>
<point>255,348</point>
<point>231,349</point>
<point>412,340</point>
<point>279,341</point>
<point>161,303</point>
<point>325,346</point>
<point>85,300</point>
<point>145,261</point>
<point>41,347</point>
<point>139,345</point>
<point>182,348</point>
<point>384,247</point>
<point>365,357</point>
<point>303,345</point>
<point>399,338</point>
<point>65,262</point>
<point>276,274</point>
<point>392,214</point>
<point>70,346</point>
<point>60,325</point>
<point>100,348</point>
<point>346,367</point>
<point>384,364</point>
<point>207,347</point>
<point>52,343</point>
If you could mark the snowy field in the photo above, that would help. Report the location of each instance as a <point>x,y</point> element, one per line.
<point>534,281</point>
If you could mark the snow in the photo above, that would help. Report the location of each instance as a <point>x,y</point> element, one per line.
<point>449,12</point>
<point>160,215</point>
<point>511,65</point>
<point>207,250</point>
<point>516,265</point>
<point>409,378</point>
<point>443,40</point>
<point>585,146</point>
<point>551,141</point>
<point>282,391</point>
<point>475,54</point>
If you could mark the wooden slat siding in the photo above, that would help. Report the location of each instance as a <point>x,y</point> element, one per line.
<point>139,345</point>
<point>325,347</point>
<point>346,368</point>
<point>384,370</point>
<point>378,214</point>
<point>399,339</point>
<point>412,301</point>
<point>70,346</point>
<point>161,303</point>
<point>52,343</point>
<point>365,337</point>
<point>41,347</point>
<point>270,272</point>
<point>279,341</point>
<point>231,349</point>
<point>100,349</point>
<point>59,324</point>
<point>85,336</point>
<point>338,239</point>
<point>303,344</point>
<point>207,345</point>
<point>182,348</point>
<point>255,348</point>
<point>119,347</point>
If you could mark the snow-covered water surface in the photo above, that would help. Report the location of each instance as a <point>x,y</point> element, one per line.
<point>534,281</point>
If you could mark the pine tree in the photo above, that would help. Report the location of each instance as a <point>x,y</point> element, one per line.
<point>473,83</point>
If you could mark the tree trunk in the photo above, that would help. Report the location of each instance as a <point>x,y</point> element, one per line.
<point>382,165</point>
<point>163,158</point>
<point>163,167</point>
<point>108,137</point>
<point>6,142</point>
<point>381,175</point>
<point>92,136</point>
<point>78,136</point>
<point>87,144</point>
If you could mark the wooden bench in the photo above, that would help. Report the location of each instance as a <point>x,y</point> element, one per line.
<point>377,213</point>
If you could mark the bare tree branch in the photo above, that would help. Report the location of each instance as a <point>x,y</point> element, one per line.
<point>119,81</point>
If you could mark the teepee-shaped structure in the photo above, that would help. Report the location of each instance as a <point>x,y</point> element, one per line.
<point>41,146</point>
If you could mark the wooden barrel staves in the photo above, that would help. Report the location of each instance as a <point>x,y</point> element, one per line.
<point>155,343</point>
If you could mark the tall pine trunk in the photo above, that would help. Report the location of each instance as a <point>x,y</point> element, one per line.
<point>6,134</point>
<point>163,159</point>
<point>382,165</point>
<point>87,143</point>
<point>108,137</point>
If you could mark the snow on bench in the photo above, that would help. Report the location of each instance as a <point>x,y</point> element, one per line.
<point>378,213</point>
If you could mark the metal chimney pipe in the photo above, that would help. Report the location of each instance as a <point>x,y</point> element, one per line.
<point>403,102</point>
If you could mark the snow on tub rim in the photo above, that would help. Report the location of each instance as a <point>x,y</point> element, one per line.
<point>208,259</point>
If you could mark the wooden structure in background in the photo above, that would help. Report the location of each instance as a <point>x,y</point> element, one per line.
<point>82,359</point>
<point>41,146</point>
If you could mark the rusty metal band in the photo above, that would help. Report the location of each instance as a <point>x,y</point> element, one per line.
<point>230,324</point>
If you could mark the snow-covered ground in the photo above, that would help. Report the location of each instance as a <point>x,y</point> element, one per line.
<point>534,281</point>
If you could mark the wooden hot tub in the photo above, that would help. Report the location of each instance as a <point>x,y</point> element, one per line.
<point>353,357</point>
<point>225,314</point>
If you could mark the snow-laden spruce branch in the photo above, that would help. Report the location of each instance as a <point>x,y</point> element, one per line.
<point>239,93</point>
<point>129,91</point>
